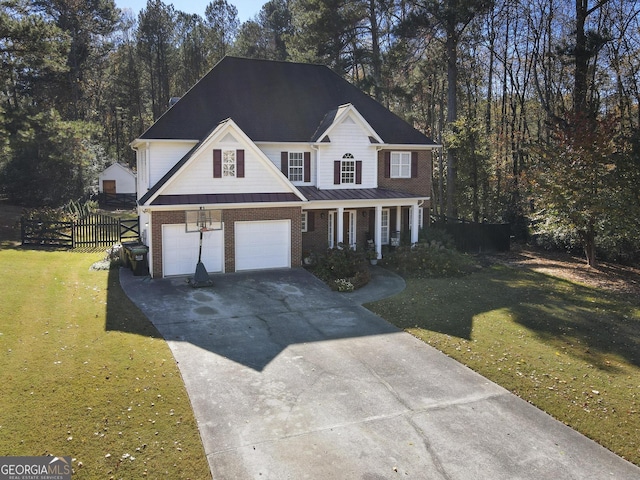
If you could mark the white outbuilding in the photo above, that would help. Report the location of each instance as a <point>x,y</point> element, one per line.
<point>117,179</point>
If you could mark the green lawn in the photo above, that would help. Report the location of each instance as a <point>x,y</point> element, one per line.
<point>84,374</point>
<point>571,350</point>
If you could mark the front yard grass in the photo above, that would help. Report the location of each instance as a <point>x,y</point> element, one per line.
<point>85,374</point>
<point>571,350</point>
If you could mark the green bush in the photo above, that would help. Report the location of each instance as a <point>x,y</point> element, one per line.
<point>431,234</point>
<point>429,259</point>
<point>343,268</point>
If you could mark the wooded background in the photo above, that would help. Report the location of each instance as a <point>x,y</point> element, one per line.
<point>535,102</point>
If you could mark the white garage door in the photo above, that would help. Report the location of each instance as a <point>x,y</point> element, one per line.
<point>180,250</point>
<point>264,244</point>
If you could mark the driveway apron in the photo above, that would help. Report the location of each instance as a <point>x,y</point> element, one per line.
<point>289,380</point>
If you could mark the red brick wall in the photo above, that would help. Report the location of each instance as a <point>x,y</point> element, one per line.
<point>228,218</point>
<point>421,185</point>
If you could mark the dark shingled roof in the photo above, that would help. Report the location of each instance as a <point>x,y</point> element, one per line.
<point>274,101</point>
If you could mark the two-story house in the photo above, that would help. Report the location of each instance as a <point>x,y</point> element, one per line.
<point>290,156</point>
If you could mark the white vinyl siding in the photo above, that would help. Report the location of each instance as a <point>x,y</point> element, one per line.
<point>163,156</point>
<point>197,177</point>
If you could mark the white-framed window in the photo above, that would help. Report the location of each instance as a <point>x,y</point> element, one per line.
<point>400,164</point>
<point>420,216</point>
<point>351,233</point>
<point>384,222</point>
<point>229,163</point>
<point>305,221</point>
<point>330,229</point>
<point>348,169</point>
<point>296,166</point>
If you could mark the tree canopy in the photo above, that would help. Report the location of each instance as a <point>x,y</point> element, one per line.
<point>511,89</point>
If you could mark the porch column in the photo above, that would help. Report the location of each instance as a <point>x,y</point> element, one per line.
<point>415,223</point>
<point>398,220</point>
<point>340,226</point>
<point>377,235</point>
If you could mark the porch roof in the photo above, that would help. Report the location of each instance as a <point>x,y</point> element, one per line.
<point>315,194</point>
<point>212,198</point>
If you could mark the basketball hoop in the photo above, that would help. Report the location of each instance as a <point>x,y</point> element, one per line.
<point>202,221</point>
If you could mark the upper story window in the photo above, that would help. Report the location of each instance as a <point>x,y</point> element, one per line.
<point>296,167</point>
<point>400,164</point>
<point>229,163</point>
<point>348,169</point>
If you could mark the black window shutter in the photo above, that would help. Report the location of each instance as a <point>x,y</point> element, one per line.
<point>284,163</point>
<point>414,164</point>
<point>217,164</point>
<point>310,221</point>
<point>387,164</point>
<point>240,163</point>
<point>336,172</point>
<point>358,172</point>
<point>307,166</point>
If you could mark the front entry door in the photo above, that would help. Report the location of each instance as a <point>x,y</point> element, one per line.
<point>349,226</point>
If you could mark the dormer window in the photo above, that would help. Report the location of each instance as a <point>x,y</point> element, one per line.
<point>348,169</point>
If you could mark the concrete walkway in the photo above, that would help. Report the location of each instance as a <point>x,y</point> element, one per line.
<point>289,380</point>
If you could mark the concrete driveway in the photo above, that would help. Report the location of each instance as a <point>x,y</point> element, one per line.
<point>289,380</point>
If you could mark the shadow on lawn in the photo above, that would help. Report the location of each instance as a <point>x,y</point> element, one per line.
<point>588,323</point>
<point>582,321</point>
<point>122,314</point>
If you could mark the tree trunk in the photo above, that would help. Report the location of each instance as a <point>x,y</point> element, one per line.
<point>452,116</point>
<point>588,238</point>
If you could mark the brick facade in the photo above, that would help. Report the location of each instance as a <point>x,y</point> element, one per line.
<point>420,185</point>
<point>229,217</point>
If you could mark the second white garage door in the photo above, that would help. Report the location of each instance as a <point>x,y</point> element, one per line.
<point>264,244</point>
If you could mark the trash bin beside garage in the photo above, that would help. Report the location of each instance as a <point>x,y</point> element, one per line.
<point>137,258</point>
<point>125,253</point>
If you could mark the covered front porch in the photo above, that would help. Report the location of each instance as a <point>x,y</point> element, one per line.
<point>360,227</point>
